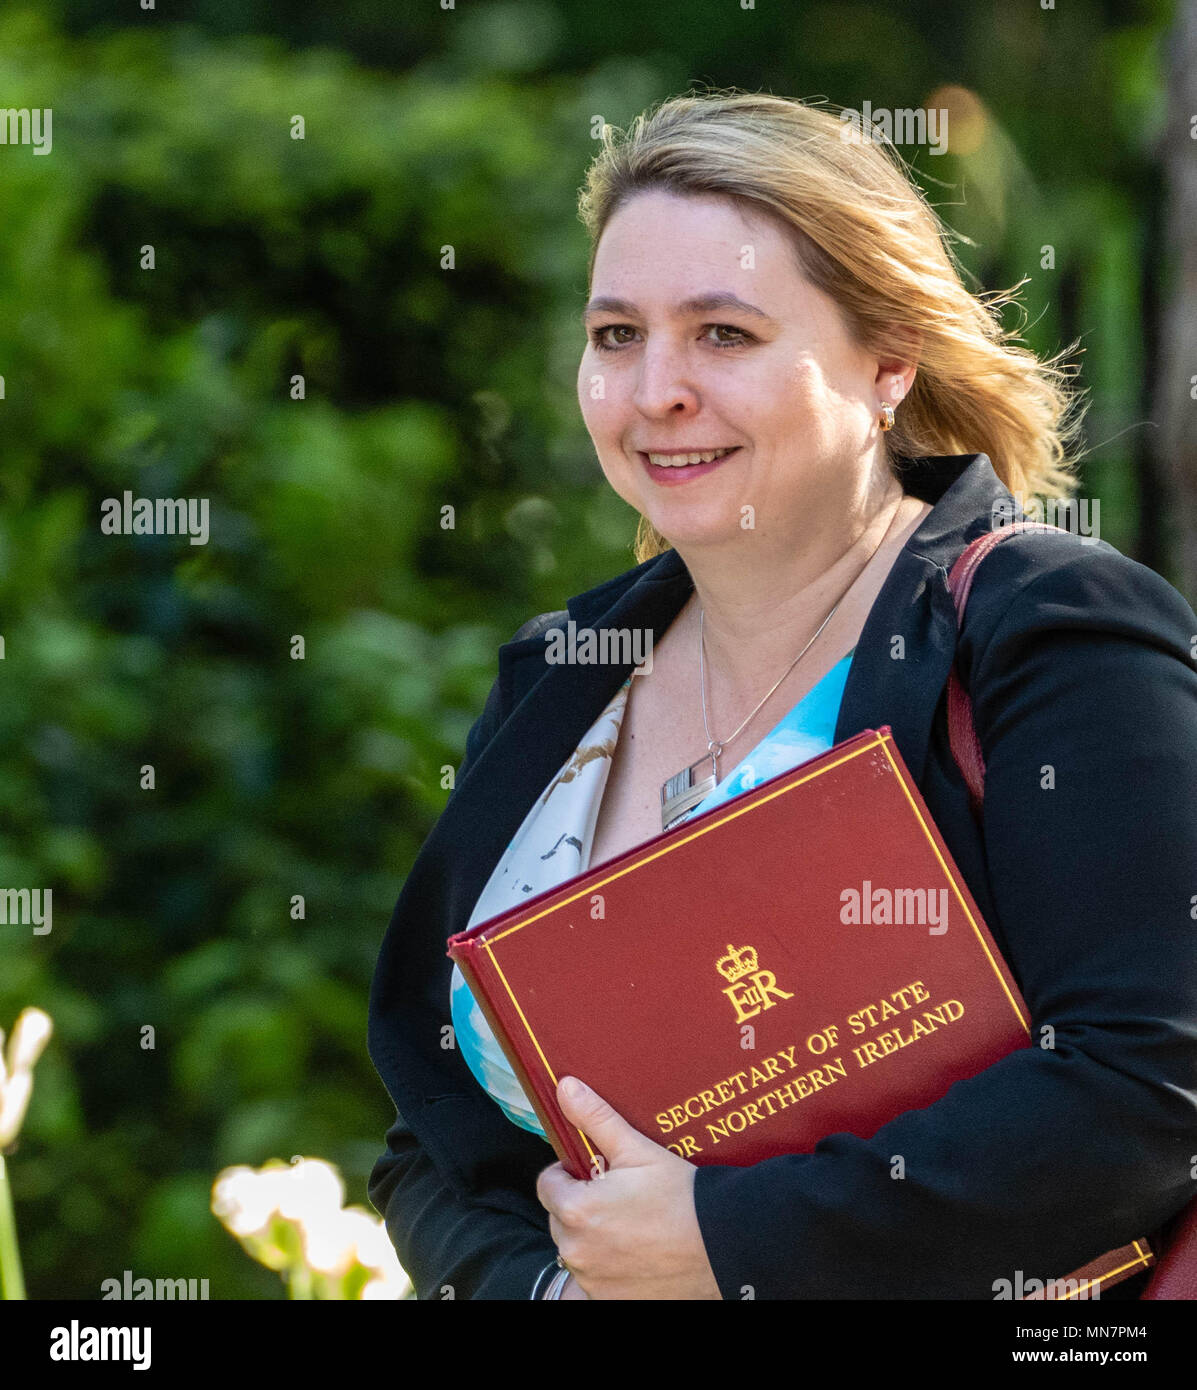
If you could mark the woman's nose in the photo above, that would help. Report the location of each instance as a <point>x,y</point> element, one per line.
<point>663,380</point>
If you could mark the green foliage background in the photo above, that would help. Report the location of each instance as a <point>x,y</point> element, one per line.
<point>425,387</point>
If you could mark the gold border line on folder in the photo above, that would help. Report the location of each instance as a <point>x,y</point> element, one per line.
<point>532,1035</point>
<point>1109,1274</point>
<point>959,896</point>
<point>677,844</point>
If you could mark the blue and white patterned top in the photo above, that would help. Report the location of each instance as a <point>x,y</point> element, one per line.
<point>554,842</point>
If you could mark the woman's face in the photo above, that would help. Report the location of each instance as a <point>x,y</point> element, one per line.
<point>777,379</point>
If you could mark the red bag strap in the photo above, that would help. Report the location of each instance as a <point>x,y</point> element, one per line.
<point>962,734</point>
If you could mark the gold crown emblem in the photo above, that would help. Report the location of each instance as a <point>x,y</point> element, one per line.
<point>737,963</point>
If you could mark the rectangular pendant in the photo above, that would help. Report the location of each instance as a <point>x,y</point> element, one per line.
<point>683,791</point>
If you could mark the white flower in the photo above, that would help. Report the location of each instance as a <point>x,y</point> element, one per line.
<point>246,1199</point>
<point>29,1037</point>
<point>328,1246</point>
<point>308,1194</point>
<point>313,1189</point>
<point>374,1248</point>
<point>334,1240</point>
<point>14,1099</point>
<point>397,1286</point>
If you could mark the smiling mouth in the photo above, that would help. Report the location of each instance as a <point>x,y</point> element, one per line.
<point>687,460</point>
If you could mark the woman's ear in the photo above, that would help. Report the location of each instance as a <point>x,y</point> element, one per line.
<point>897,366</point>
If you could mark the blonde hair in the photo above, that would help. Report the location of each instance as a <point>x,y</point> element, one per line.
<point>864,234</point>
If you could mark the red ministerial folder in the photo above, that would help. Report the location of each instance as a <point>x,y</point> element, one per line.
<point>803,960</point>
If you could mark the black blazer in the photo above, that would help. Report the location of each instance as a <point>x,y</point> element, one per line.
<point>1075,657</point>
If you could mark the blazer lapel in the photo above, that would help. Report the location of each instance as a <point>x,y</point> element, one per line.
<point>902,659</point>
<point>552,706</point>
<point>905,654</point>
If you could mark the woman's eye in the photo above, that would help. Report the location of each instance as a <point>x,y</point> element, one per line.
<point>597,338</point>
<point>598,335</point>
<point>736,342</point>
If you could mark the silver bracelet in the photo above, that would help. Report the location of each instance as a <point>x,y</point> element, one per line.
<point>536,1294</point>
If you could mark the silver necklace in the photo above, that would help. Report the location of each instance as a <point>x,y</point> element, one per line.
<point>686,788</point>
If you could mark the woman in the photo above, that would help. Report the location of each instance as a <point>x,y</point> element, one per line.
<point>786,378</point>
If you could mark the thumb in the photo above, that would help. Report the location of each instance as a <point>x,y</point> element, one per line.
<point>623,1145</point>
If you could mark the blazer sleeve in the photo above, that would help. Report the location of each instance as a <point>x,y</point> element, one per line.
<point>451,1248</point>
<point>448,1247</point>
<point>1085,702</point>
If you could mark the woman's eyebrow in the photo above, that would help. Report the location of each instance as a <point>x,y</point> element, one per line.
<point>699,304</point>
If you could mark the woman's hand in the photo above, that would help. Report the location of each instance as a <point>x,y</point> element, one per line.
<point>631,1232</point>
